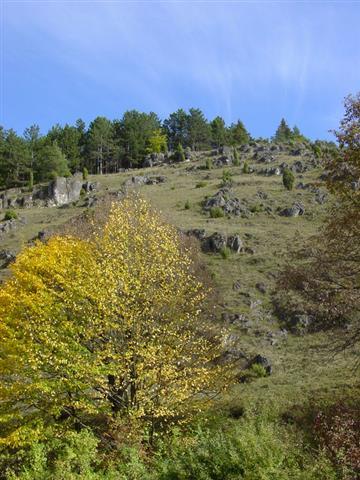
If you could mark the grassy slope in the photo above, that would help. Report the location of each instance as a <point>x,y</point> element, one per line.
<point>302,368</point>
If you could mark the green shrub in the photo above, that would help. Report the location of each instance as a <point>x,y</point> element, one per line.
<point>225,252</point>
<point>216,212</point>
<point>10,215</point>
<point>236,161</point>
<point>258,370</point>
<point>200,185</point>
<point>256,208</point>
<point>187,205</point>
<point>179,153</point>
<point>226,177</point>
<point>82,192</point>
<point>73,456</point>
<point>85,174</point>
<point>208,164</point>
<point>288,179</point>
<point>249,449</point>
<point>246,167</point>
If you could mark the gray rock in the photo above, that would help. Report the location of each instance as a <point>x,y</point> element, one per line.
<point>261,287</point>
<point>90,186</point>
<point>145,180</point>
<point>63,191</point>
<point>299,167</point>
<point>355,185</point>
<point>294,211</point>
<point>237,285</point>
<point>225,200</point>
<point>198,233</point>
<point>6,257</point>
<point>215,242</point>
<point>235,243</point>
<point>43,236</point>
<point>300,323</point>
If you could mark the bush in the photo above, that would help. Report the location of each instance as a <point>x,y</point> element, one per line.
<point>208,164</point>
<point>225,252</point>
<point>201,185</point>
<point>216,212</point>
<point>10,215</point>
<point>226,177</point>
<point>85,174</point>
<point>246,167</point>
<point>245,449</point>
<point>187,205</point>
<point>288,179</point>
<point>179,153</point>
<point>256,208</point>
<point>250,449</point>
<point>236,161</point>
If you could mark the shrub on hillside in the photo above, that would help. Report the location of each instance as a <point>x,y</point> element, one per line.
<point>246,167</point>
<point>216,212</point>
<point>208,164</point>
<point>85,174</point>
<point>10,215</point>
<point>226,178</point>
<point>288,179</point>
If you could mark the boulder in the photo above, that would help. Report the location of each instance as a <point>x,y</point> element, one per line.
<point>235,243</point>
<point>90,186</point>
<point>225,200</point>
<point>299,167</point>
<point>215,242</point>
<point>294,211</point>
<point>6,257</point>
<point>261,287</point>
<point>300,323</point>
<point>145,180</point>
<point>198,233</point>
<point>63,191</point>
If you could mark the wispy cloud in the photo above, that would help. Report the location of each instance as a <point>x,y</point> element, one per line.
<point>219,55</point>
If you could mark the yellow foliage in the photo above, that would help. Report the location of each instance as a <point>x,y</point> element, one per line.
<point>111,325</point>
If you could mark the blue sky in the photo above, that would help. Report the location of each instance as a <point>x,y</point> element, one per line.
<point>257,61</point>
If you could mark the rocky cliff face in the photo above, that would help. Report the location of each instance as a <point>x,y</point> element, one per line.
<point>63,190</point>
<point>60,191</point>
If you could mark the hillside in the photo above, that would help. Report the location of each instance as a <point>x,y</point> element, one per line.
<point>301,367</point>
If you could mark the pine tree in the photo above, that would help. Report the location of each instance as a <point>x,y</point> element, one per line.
<point>283,132</point>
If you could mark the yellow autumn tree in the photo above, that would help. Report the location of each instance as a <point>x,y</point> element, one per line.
<point>109,327</point>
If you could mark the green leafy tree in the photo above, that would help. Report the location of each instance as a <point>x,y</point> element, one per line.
<point>176,128</point>
<point>100,144</point>
<point>157,142</point>
<point>238,135</point>
<point>15,159</point>
<point>50,162</point>
<point>133,133</point>
<point>199,132</point>
<point>283,132</point>
<point>218,132</point>
<point>32,137</point>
